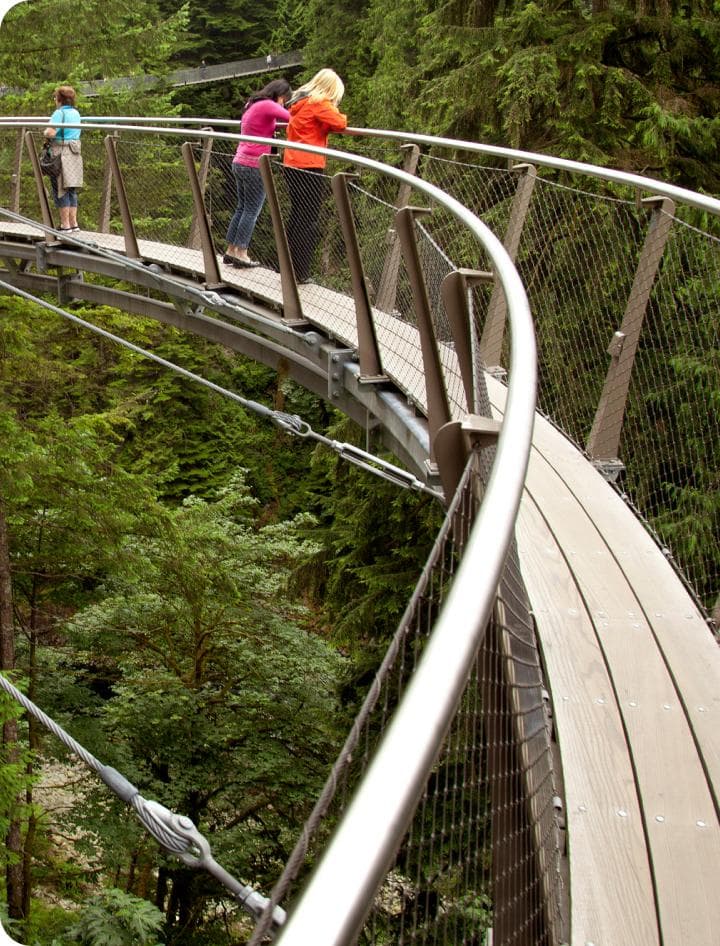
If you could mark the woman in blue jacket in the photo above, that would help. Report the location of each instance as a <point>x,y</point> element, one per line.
<point>66,143</point>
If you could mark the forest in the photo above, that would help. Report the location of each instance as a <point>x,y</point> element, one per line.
<point>198,599</point>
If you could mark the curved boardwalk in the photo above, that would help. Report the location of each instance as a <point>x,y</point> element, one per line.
<point>632,666</point>
<point>635,679</point>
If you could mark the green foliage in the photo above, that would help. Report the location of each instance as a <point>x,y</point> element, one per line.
<point>616,87</point>
<point>173,645</point>
<point>374,540</point>
<point>221,705</point>
<point>111,40</point>
<point>14,777</point>
<point>115,918</point>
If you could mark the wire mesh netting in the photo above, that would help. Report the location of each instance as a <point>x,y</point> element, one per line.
<point>483,851</point>
<point>578,255</point>
<point>671,434</point>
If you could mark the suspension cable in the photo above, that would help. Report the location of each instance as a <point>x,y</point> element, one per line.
<point>177,834</point>
<point>290,423</point>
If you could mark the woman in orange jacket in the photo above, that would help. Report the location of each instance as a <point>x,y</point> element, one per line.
<point>313,115</point>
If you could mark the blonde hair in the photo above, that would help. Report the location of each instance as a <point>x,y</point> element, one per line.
<point>325,84</point>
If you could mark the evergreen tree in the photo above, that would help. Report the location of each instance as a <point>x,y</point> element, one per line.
<point>220,705</point>
<point>45,43</point>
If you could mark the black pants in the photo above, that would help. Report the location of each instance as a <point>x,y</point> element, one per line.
<point>307,191</point>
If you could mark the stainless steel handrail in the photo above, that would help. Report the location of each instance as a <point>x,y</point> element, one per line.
<point>651,185</point>
<point>337,898</point>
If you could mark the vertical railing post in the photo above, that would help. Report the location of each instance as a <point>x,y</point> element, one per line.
<point>438,406</point>
<point>210,263</point>
<point>292,308</point>
<point>387,287</point>
<point>368,349</point>
<point>106,196</point>
<point>194,238</point>
<point>15,177</point>
<point>604,440</point>
<point>453,440</point>
<point>492,337</point>
<point>132,250</point>
<point>454,291</point>
<point>41,192</point>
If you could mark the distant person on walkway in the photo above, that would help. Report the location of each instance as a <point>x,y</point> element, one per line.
<point>262,112</point>
<point>66,143</point>
<point>313,115</point>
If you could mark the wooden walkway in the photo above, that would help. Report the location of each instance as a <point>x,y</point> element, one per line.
<point>633,669</point>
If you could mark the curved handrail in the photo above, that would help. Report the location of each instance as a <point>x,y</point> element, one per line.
<point>394,782</point>
<point>682,194</point>
<point>652,185</point>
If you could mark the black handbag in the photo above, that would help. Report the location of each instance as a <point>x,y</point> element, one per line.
<point>50,164</point>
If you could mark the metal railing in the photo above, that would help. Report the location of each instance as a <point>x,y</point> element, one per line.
<point>620,273</point>
<point>492,786</point>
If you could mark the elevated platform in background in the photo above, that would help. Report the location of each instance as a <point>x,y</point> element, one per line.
<point>634,667</point>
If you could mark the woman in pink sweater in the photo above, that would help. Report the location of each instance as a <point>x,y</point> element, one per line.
<point>262,112</point>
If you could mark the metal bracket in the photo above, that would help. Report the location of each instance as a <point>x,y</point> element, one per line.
<point>480,431</point>
<point>63,281</point>
<point>41,256</point>
<point>186,309</point>
<point>497,372</point>
<point>609,469</point>
<point>336,359</point>
<point>616,344</point>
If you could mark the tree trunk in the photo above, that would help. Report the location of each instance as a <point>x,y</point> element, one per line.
<point>34,746</point>
<point>13,840</point>
<point>7,638</point>
<point>162,888</point>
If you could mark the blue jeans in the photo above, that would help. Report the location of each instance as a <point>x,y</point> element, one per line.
<point>68,199</point>
<point>250,198</point>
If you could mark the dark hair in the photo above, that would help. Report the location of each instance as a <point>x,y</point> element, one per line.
<point>273,90</point>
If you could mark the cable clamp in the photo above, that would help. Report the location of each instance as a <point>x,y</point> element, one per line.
<point>291,423</point>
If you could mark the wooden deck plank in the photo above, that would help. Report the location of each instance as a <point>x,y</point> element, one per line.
<point>611,893</point>
<point>688,647</point>
<point>678,811</point>
<point>663,663</point>
<point>683,637</point>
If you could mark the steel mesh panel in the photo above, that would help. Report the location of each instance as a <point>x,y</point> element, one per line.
<point>482,851</point>
<point>578,257</point>
<point>157,189</point>
<point>90,196</point>
<point>671,435</point>
<point>577,261</point>
<point>487,191</point>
